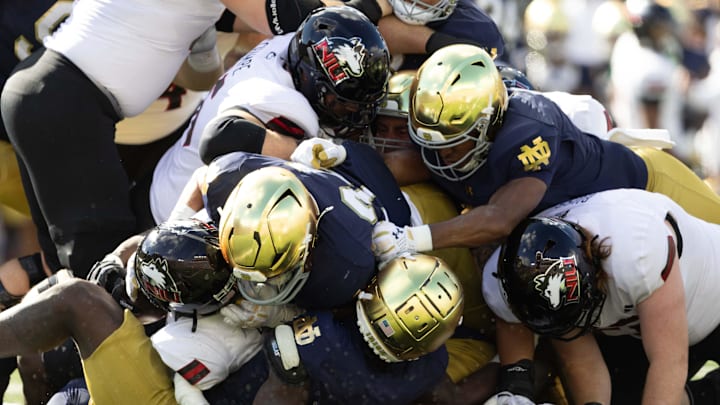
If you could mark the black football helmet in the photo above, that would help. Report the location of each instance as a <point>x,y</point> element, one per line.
<point>179,267</point>
<point>340,62</point>
<point>513,78</point>
<point>547,279</point>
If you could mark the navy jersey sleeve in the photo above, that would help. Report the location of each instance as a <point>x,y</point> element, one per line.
<point>468,21</point>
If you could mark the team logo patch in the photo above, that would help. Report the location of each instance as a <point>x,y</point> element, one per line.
<point>341,58</point>
<point>559,285</point>
<point>156,279</point>
<point>535,156</point>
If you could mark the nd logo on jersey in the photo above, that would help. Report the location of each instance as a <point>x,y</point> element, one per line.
<point>532,157</point>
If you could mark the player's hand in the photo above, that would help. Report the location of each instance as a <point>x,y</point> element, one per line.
<point>319,153</point>
<point>508,398</point>
<point>246,314</point>
<point>390,240</point>
<point>107,272</point>
<point>187,394</point>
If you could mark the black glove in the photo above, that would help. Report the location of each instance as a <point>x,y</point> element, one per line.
<point>518,378</point>
<point>109,273</point>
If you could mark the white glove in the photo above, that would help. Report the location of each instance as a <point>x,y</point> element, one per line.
<point>204,55</point>
<point>390,240</point>
<point>319,153</point>
<point>245,314</point>
<point>508,398</point>
<point>187,394</point>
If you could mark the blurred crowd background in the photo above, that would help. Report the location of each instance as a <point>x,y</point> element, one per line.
<point>652,64</point>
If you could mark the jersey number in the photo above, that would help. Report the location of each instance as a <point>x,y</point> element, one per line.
<point>360,200</point>
<point>44,26</point>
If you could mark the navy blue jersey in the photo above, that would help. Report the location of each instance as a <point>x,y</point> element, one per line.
<point>343,369</point>
<point>468,21</point>
<point>341,262</point>
<point>538,140</point>
<point>23,25</point>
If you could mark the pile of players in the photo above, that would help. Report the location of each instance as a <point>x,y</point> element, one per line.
<point>292,263</point>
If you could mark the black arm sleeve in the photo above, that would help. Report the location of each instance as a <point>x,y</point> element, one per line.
<point>286,15</point>
<point>226,134</point>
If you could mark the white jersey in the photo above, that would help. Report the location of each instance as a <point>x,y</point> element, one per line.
<point>588,114</point>
<point>634,223</point>
<point>133,48</point>
<point>207,356</point>
<point>257,83</point>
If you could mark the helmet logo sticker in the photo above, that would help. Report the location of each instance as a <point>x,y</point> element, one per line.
<point>340,57</point>
<point>559,285</point>
<point>155,277</point>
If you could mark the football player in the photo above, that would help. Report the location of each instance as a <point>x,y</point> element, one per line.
<point>510,156</point>
<point>326,78</point>
<point>632,266</point>
<point>95,213</point>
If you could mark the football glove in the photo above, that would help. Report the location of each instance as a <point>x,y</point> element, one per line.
<point>187,394</point>
<point>109,273</point>
<point>390,240</point>
<point>245,314</point>
<point>319,153</point>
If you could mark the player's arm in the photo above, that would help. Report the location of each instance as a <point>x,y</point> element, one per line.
<point>488,223</point>
<point>582,364</point>
<point>415,39</point>
<point>236,130</point>
<point>274,17</point>
<point>663,322</point>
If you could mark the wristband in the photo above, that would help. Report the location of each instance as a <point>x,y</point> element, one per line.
<point>422,237</point>
<point>181,211</point>
<point>518,378</point>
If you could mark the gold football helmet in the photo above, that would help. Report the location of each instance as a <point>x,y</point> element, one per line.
<point>457,95</point>
<point>267,227</point>
<point>396,105</point>
<point>410,308</point>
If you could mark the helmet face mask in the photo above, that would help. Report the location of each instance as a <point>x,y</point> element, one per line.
<point>418,12</point>
<point>548,281</point>
<point>267,229</point>
<point>392,115</point>
<point>340,62</point>
<point>411,308</point>
<point>179,268</point>
<point>458,96</point>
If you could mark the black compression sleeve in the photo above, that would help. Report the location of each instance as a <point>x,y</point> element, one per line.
<point>226,134</point>
<point>286,15</point>
<point>368,7</point>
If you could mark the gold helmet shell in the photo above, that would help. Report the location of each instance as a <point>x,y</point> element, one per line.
<point>396,105</point>
<point>457,95</point>
<point>267,226</point>
<point>410,308</point>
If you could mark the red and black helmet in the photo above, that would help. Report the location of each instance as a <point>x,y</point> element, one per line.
<point>547,279</point>
<point>338,51</point>
<point>179,267</point>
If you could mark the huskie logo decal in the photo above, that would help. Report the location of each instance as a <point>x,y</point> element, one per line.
<point>340,57</point>
<point>559,285</point>
<point>156,280</point>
